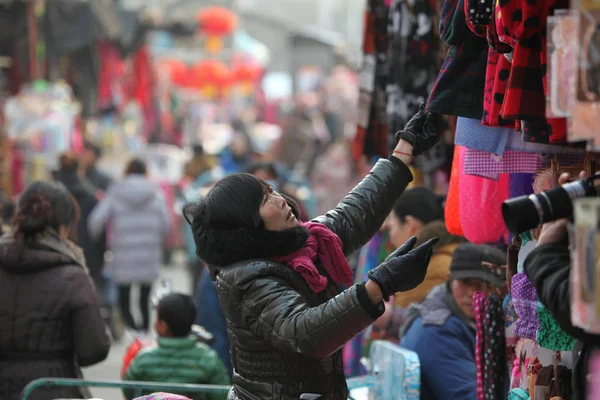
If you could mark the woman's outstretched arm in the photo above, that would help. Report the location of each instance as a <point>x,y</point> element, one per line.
<point>356,219</point>
<point>362,212</point>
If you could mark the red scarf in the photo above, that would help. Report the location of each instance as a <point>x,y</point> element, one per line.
<point>325,246</point>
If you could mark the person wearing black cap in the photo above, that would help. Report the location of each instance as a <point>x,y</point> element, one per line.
<point>416,208</point>
<point>441,329</point>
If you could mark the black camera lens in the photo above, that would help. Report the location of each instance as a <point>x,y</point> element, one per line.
<point>528,212</point>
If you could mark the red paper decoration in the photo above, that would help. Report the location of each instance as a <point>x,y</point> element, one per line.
<point>178,71</point>
<point>247,71</point>
<point>217,21</point>
<point>212,77</point>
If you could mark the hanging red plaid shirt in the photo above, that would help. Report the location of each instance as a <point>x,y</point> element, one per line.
<point>522,22</point>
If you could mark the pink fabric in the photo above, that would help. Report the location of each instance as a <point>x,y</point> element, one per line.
<point>480,204</point>
<point>452,209</point>
<point>162,396</point>
<point>326,246</point>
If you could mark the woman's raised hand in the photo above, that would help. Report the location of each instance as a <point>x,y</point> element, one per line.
<point>422,131</point>
<point>404,269</point>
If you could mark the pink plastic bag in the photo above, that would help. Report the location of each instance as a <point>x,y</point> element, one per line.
<point>452,209</point>
<point>481,208</point>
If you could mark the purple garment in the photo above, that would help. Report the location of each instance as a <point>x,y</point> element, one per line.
<point>525,304</point>
<point>521,184</point>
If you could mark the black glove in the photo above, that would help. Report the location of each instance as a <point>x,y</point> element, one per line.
<point>404,269</point>
<point>422,131</point>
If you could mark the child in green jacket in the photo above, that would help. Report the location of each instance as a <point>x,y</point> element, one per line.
<point>178,357</point>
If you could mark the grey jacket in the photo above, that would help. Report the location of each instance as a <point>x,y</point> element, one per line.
<point>138,221</point>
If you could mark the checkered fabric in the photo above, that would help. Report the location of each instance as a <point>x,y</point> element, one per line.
<point>522,24</point>
<point>491,166</point>
<point>524,98</point>
<point>525,303</point>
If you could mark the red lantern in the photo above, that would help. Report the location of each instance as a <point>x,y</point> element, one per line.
<point>247,74</point>
<point>216,22</point>
<point>211,76</point>
<point>177,70</point>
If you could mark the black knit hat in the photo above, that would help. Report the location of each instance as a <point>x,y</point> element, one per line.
<point>420,203</point>
<point>468,259</point>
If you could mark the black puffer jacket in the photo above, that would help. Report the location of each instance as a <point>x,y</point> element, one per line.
<point>50,321</point>
<point>285,339</point>
<point>548,267</point>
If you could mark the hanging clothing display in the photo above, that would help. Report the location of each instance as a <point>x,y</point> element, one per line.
<point>372,131</point>
<point>111,90</point>
<point>495,350</point>
<point>142,88</point>
<point>42,122</point>
<point>459,87</point>
<point>413,47</point>
<point>490,346</point>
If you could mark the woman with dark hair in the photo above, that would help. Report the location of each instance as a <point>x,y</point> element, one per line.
<point>84,194</point>
<point>50,319</point>
<point>139,225</point>
<point>285,287</point>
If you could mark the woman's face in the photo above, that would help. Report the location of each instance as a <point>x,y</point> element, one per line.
<point>276,213</point>
<point>402,231</point>
<point>463,291</point>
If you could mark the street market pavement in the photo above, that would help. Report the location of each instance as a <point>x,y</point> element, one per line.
<point>110,369</point>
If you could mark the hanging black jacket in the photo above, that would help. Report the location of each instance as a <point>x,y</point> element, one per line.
<point>548,268</point>
<point>285,339</point>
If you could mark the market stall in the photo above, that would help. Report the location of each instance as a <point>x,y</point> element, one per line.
<point>519,86</point>
<point>41,122</point>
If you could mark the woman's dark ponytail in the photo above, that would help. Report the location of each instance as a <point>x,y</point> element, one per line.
<point>34,216</point>
<point>44,205</point>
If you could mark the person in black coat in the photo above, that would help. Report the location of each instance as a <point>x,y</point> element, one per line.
<point>285,287</point>
<point>89,159</point>
<point>85,195</point>
<point>548,267</point>
<point>50,320</point>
